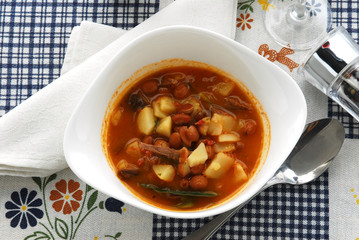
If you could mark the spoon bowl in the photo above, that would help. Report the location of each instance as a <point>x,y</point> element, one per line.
<point>318,145</point>
<point>306,162</point>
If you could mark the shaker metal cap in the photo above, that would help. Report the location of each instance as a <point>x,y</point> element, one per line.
<point>327,61</point>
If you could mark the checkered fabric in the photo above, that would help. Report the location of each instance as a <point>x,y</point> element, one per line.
<point>33,37</point>
<point>282,211</point>
<point>345,13</point>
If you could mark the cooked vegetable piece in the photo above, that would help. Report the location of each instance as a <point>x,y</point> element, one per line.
<point>203,125</point>
<point>227,121</point>
<point>150,87</point>
<point>191,128</point>
<point>224,147</point>
<point>126,169</point>
<point>198,156</point>
<point>239,175</point>
<point>164,151</point>
<point>146,121</point>
<point>215,129</point>
<point>180,193</point>
<point>234,102</point>
<point>183,169</point>
<point>133,148</point>
<point>164,172</point>
<point>116,116</point>
<point>164,126</point>
<point>167,105</point>
<point>136,102</point>
<point>197,107</point>
<point>228,137</point>
<point>157,110</point>
<point>224,88</point>
<point>207,97</point>
<point>220,165</point>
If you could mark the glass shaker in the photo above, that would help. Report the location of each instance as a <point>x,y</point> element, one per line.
<point>334,69</point>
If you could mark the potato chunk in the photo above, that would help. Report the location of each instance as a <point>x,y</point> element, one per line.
<point>116,116</point>
<point>224,88</point>
<point>167,105</point>
<point>219,165</point>
<point>228,137</point>
<point>224,147</point>
<point>163,106</point>
<point>198,156</point>
<point>164,126</point>
<point>239,175</point>
<point>228,122</point>
<point>133,148</point>
<point>183,169</point>
<point>146,121</point>
<point>214,129</point>
<point>164,172</point>
<point>203,125</point>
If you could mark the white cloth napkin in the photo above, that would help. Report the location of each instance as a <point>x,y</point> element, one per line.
<point>31,135</point>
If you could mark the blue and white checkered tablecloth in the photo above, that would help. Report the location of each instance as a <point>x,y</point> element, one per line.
<point>33,38</point>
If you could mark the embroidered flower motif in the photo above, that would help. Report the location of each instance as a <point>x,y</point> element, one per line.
<point>114,205</point>
<point>24,209</point>
<point>243,21</point>
<point>313,8</point>
<point>265,4</point>
<point>66,197</point>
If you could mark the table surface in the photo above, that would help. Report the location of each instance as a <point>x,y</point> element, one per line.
<point>33,38</point>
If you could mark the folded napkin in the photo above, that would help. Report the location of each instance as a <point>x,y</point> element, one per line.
<point>31,135</point>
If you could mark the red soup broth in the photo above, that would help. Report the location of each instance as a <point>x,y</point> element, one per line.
<point>199,139</point>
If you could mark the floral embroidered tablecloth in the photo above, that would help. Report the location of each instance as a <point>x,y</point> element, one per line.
<point>32,48</point>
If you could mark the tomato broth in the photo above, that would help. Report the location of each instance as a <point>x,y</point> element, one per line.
<point>185,138</point>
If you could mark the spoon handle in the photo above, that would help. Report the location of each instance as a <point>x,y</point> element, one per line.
<point>207,230</point>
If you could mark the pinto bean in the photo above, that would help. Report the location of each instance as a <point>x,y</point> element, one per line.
<point>181,119</point>
<point>210,151</point>
<point>250,127</point>
<point>239,145</point>
<point>175,140</point>
<point>192,133</point>
<point>181,91</point>
<point>198,182</point>
<point>183,154</point>
<point>186,108</point>
<point>147,139</point>
<point>189,135</point>
<point>183,135</point>
<point>200,115</point>
<point>198,169</point>
<point>184,183</point>
<point>150,87</point>
<point>169,82</point>
<point>161,143</point>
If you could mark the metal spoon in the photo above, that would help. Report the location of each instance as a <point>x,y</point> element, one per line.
<point>318,145</point>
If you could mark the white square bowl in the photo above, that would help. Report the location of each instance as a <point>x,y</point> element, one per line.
<point>280,96</point>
